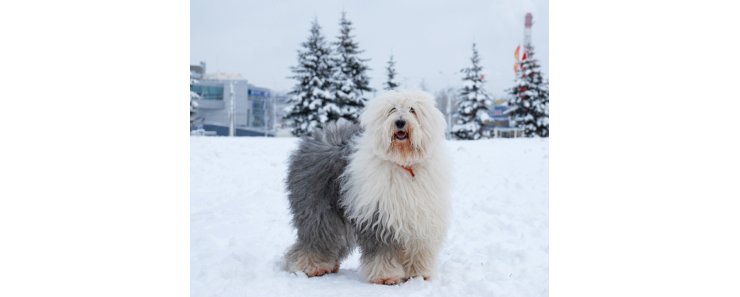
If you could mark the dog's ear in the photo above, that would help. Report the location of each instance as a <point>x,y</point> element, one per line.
<point>430,117</point>
<point>373,117</point>
<point>367,115</point>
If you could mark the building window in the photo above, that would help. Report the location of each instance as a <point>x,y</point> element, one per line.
<point>260,100</point>
<point>258,111</point>
<point>208,92</point>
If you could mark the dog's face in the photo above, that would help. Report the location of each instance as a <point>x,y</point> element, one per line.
<point>405,126</point>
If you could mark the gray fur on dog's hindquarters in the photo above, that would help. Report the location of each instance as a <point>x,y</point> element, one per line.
<point>314,191</point>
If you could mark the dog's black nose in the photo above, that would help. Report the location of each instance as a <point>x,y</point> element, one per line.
<point>400,124</point>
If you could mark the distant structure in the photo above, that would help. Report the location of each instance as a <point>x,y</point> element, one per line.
<point>520,53</point>
<point>502,125</point>
<point>528,30</point>
<point>198,71</point>
<point>253,109</point>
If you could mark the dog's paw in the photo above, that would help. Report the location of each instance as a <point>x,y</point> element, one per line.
<point>387,281</point>
<point>317,272</point>
<point>321,269</point>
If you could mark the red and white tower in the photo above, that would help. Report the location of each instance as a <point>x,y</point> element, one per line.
<point>528,30</point>
<point>520,54</point>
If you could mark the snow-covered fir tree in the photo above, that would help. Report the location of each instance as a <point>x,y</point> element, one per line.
<point>312,98</point>
<point>194,98</point>
<point>472,108</point>
<point>391,83</point>
<point>351,82</point>
<point>193,108</point>
<point>530,98</point>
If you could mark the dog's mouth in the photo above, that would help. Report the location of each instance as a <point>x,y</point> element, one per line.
<point>401,135</point>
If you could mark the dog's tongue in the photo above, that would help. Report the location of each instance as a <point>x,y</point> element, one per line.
<point>401,134</point>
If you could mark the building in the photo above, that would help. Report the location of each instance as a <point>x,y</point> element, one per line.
<point>197,71</point>
<point>261,108</point>
<point>253,107</point>
<point>500,124</point>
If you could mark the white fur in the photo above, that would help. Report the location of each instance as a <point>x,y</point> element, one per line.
<point>414,209</point>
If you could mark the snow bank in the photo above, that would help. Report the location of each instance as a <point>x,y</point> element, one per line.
<point>240,223</point>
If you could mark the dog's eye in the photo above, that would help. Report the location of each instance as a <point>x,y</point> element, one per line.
<point>412,110</point>
<point>392,110</point>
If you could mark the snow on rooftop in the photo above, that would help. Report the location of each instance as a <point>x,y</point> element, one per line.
<point>224,76</point>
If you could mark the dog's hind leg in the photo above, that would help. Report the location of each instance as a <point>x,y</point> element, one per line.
<point>381,260</point>
<point>301,259</point>
<point>324,237</point>
<point>324,240</point>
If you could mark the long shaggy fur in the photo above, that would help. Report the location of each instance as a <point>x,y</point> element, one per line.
<point>382,185</point>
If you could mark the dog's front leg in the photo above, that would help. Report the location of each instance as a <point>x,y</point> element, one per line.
<point>419,260</point>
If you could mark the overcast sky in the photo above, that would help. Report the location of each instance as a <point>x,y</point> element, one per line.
<point>430,40</point>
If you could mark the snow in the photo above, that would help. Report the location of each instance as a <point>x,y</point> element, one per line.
<point>240,224</point>
<point>314,104</point>
<point>223,76</point>
<point>483,116</point>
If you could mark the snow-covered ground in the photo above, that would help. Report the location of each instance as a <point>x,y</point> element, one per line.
<point>239,223</point>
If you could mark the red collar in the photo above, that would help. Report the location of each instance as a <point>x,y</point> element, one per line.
<point>410,170</point>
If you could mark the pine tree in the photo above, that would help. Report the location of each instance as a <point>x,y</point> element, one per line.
<point>472,109</point>
<point>391,83</point>
<point>193,109</point>
<point>350,81</point>
<point>194,98</point>
<point>530,100</point>
<point>312,101</point>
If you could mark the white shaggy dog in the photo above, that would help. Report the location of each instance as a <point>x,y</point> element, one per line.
<point>385,190</point>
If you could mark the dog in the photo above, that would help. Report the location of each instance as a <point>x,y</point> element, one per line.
<point>382,185</point>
